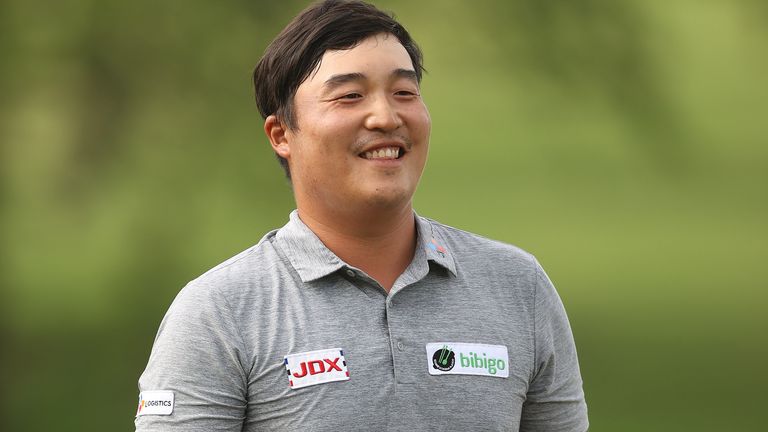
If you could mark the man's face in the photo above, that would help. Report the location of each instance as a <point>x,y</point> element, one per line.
<point>363,130</point>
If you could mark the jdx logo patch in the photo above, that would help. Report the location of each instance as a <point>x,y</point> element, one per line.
<point>316,367</point>
<point>453,358</point>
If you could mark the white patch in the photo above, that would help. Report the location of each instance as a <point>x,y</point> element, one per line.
<point>453,358</point>
<point>316,367</point>
<point>155,402</point>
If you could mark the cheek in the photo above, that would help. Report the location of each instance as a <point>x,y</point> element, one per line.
<point>421,123</point>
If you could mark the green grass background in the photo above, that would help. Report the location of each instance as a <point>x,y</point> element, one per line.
<point>622,142</point>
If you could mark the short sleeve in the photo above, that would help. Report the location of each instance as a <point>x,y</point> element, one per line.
<point>197,355</point>
<point>555,399</point>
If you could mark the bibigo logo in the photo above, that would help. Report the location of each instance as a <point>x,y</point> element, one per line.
<point>455,358</point>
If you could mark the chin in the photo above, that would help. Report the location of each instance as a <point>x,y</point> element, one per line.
<point>389,200</point>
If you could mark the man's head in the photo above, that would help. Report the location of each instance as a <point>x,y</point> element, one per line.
<point>297,51</point>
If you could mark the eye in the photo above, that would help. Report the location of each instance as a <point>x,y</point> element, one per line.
<point>350,96</point>
<point>406,93</point>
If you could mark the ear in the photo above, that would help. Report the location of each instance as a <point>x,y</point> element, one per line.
<point>277,133</point>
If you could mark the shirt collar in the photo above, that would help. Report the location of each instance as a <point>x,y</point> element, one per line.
<point>431,246</point>
<point>312,260</point>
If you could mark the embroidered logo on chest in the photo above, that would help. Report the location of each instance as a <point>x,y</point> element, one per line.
<point>453,358</point>
<point>316,367</point>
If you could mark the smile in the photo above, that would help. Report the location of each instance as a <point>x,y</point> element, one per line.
<point>382,153</point>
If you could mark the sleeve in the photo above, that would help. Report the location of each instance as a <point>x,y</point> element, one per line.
<point>197,360</point>
<point>555,399</point>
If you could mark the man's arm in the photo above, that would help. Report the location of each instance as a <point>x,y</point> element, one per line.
<point>555,399</point>
<point>198,356</point>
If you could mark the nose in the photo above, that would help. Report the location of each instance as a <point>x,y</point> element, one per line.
<point>383,115</point>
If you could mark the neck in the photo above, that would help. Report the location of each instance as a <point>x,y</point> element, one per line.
<point>381,243</point>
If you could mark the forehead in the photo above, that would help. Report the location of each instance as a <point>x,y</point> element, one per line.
<point>375,56</point>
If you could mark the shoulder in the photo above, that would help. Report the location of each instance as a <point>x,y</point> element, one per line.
<point>261,257</point>
<point>467,247</point>
<point>236,278</point>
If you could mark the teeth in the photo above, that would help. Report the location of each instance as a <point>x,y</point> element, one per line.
<point>385,153</point>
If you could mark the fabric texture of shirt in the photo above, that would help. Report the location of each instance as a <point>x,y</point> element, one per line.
<point>222,344</point>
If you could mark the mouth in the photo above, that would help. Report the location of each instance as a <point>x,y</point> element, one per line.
<point>383,153</point>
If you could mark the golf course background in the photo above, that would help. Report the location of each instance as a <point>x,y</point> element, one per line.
<point>624,143</point>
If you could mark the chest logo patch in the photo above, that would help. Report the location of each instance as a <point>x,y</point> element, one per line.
<point>316,367</point>
<point>455,358</point>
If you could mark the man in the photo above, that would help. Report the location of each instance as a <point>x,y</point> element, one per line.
<point>359,314</point>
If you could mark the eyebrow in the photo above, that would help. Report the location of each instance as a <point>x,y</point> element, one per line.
<point>409,74</point>
<point>338,80</point>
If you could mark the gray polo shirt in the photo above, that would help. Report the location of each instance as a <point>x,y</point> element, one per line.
<point>286,336</point>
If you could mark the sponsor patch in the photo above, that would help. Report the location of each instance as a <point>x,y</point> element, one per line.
<point>316,367</point>
<point>453,358</point>
<point>155,402</point>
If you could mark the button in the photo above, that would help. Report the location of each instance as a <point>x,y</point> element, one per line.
<point>351,273</point>
<point>400,346</point>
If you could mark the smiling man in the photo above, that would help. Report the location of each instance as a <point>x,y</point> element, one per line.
<point>356,149</point>
<point>359,314</point>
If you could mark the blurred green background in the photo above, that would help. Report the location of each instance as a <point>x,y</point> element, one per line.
<point>622,142</point>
